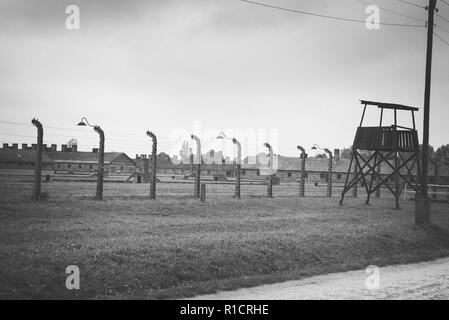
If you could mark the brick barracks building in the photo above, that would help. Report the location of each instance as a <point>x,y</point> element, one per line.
<point>68,160</point>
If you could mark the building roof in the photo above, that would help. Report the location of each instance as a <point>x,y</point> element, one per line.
<point>388,105</point>
<point>86,157</point>
<point>22,156</point>
<point>294,164</point>
<point>321,166</point>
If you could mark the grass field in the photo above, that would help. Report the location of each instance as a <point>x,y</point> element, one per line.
<point>171,249</point>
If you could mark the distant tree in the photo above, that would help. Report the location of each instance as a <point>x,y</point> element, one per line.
<point>439,158</point>
<point>345,153</point>
<point>185,152</point>
<point>321,156</point>
<point>442,154</point>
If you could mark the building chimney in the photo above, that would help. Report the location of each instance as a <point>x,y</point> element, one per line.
<point>34,146</point>
<point>15,146</point>
<point>5,146</point>
<point>24,146</point>
<point>94,150</point>
<point>337,154</point>
<point>64,148</point>
<point>44,147</point>
<point>74,148</point>
<point>54,147</point>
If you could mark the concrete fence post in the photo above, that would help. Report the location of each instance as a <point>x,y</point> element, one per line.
<point>198,167</point>
<point>329,173</point>
<point>302,183</point>
<point>38,163</point>
<point>153,179</point>
<point>203,192</point>
<point>356,176</point>
<point>378,179</point>
<point>99,194</point>
<point>271,175</point>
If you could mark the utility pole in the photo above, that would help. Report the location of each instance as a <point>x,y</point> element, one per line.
<point>422,203</point>
<point>154,164</point>
<point>38,164</point>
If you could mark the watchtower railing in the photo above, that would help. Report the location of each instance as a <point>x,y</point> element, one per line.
<point>386,139</point>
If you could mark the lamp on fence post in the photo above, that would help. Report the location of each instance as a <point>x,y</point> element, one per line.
<point>83,123</point>
<point>154,164</point>
<point>238,163</point>
<point>270,179</point>
<point>198,168</point>
<point>38,164</point>
<point>329,172</point>
<point>302,183</point>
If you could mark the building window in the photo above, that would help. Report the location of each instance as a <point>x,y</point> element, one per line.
<point>243,172</point>
<point>306,175</point>
<point>258,172</point>
<point>228,173</point>
<point>289,174</point>
<point>112,169</point>
<point>91,167</point>
<point>121,168</point>
<point>339,176</point>
<point>69,165</point>
<point>80,166</point>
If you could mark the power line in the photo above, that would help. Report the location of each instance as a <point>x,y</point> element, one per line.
<point>411,4</point>
<point>442,29</point>
<point>441,39</point>
<point>441,17</point>
<point>446,3</point>
<point>80,130</point>
<point>328,16</point>
<point>393,11</point>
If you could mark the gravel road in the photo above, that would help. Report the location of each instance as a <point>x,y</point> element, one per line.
<point>425,280</point>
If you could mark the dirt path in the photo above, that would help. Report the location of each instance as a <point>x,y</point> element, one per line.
<point>426,280</point>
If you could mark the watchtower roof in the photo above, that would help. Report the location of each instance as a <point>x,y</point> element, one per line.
<point>388,105</point>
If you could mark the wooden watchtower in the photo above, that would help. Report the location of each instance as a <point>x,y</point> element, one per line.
<point>393,147</point>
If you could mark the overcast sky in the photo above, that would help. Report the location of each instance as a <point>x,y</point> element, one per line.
<point>162,65</point>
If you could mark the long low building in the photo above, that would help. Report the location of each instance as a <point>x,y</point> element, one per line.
<point>65,160</point>
<point>70,160</point>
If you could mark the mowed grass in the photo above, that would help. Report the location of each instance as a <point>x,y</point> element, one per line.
<point>179,248</point>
